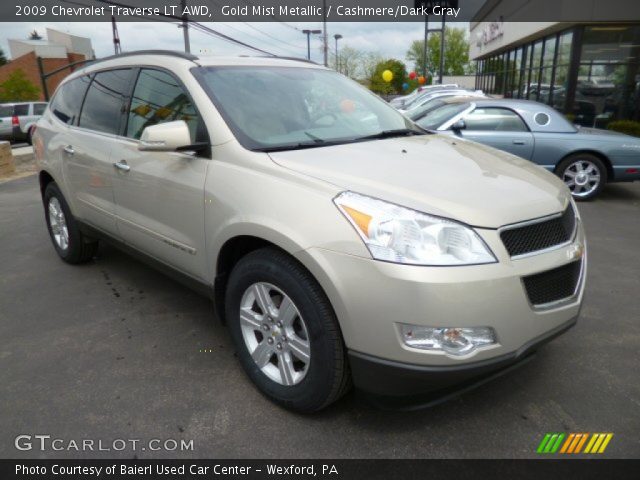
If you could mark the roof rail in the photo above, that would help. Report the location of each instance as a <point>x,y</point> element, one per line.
<point>168,53</point>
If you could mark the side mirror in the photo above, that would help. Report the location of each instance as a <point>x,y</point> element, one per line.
<point>165,137</point>
<point>459,125</point>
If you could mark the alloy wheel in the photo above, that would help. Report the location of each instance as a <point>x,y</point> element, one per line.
<point>582,177</point>
<point>58,224</point>
<point>275,334</point>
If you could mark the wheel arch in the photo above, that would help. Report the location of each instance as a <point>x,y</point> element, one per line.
<point>595,153</point>
<point>44,178</point>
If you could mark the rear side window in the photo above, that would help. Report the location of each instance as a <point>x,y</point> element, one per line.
<point>39,108</point>
<point>159,98</point>
<point>102,109</point>
<point>494,119</point>
<point>22,110</point>
<point>67,102</point>
<point>6,111</point>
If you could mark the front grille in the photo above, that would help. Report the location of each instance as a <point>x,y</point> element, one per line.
<point>553,285</point>
<point>539,235</point>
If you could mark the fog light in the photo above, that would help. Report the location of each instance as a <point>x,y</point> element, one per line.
<point>451,340</point>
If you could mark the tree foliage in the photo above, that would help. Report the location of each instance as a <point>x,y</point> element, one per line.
<point>378,85</point>
<point>18,88</point>
<point>3,58</point>
<point>355,64</point>
<point>456,53</point>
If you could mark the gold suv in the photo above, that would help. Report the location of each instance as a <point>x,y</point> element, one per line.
<point>342,244</point>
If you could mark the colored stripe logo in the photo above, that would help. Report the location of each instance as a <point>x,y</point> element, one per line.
<point>574,443</point>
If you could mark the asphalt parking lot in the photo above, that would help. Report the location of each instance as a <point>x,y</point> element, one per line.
<point>115,350</point>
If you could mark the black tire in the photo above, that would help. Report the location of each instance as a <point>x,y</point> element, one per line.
<point>566,165</point>
<point>80,249</point>
<point>328,376</point>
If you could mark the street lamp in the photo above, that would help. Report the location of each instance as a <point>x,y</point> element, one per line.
<point>308,34</point>
<point>337,36</point>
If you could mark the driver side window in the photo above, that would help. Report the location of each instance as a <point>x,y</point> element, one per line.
<point>494,119</point>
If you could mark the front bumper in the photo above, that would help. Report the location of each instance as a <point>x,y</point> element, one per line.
<point>394,379</point>
<point>371,297</point>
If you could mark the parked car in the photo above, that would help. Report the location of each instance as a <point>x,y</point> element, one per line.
<point>18,119</point>
<point>437,100</point>
<point>338,249</point>
<point>584,158</point>
<point>399,102</point>
<point>419,102</point>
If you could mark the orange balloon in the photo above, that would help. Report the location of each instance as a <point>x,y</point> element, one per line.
<point>421,80</point>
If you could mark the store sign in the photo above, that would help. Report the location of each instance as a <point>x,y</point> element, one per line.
<point>491,31</point>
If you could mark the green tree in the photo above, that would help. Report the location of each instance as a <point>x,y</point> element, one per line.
<point>3,59</point>
<point>456,53</point>
<point>18,88</point>
<point>378,85</point>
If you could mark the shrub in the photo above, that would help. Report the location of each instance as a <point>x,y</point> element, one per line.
<point>625,126</point>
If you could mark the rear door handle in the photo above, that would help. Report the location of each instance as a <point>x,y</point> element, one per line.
<point>69,149</point>
<point>519,142</point>
<point>122,165</point>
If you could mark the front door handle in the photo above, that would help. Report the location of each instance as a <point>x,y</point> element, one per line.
<point>122,165</point>
<point>69,150</point>
<point>519,142</point>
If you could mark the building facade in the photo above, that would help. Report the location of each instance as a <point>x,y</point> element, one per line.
<point>58,51</point>
<point>589,70</point>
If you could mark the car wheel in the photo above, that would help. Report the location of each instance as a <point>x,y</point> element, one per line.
<point>70,243</point>
<point>584,175</point>
<point>285,332</point>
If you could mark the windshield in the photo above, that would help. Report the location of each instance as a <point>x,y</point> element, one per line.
<point>281,107</point>
<point>437,117</point>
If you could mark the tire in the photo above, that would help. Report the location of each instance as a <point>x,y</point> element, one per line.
<point>70,243</point>
<point>569,172</point>
<point>325,377</point>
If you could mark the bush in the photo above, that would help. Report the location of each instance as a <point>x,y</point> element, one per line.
<point>18,88</point>
<point>625,126</point>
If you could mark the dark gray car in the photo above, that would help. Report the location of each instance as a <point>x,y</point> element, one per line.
<point>585,158</point>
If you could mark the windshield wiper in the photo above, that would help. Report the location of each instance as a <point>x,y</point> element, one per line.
<point>399,132</point>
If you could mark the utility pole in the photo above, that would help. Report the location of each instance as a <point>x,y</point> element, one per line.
<point>116,38</point>
<point>442,48</point>
<point>325,40</point>
<point>308,34</point>
<point>337,36</point>
<point>424,50</point>
<point>185,27</point>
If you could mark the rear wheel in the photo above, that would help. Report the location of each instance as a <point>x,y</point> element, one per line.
<point>584,174</point>
<point>286,332</point>
<point>70,243</point>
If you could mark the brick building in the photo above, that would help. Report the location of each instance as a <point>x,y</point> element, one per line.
<point>60,49</point>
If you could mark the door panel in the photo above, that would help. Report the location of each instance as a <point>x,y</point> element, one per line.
<point>518,143</point>
<point>160,195</point>
<point>89,174</point>
<point>160,205</point>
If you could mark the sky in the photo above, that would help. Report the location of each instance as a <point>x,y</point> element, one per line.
<point>390,40</point>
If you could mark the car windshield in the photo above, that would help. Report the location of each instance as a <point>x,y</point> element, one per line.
<point>437,117</point>
<point>281,108</point>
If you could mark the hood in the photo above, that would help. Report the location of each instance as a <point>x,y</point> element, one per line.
<point>436,174</point>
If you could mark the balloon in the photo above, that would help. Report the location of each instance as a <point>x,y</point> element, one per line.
<point>347,105</point>
<point>405,86</point>
<point>421,80</point>
<point>413,75</point>
<point>387,75</point>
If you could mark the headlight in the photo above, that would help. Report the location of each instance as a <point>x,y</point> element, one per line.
<point>397,234</point>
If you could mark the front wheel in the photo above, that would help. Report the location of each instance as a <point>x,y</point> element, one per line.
<point>584,175</point>
<point>285,331</point>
